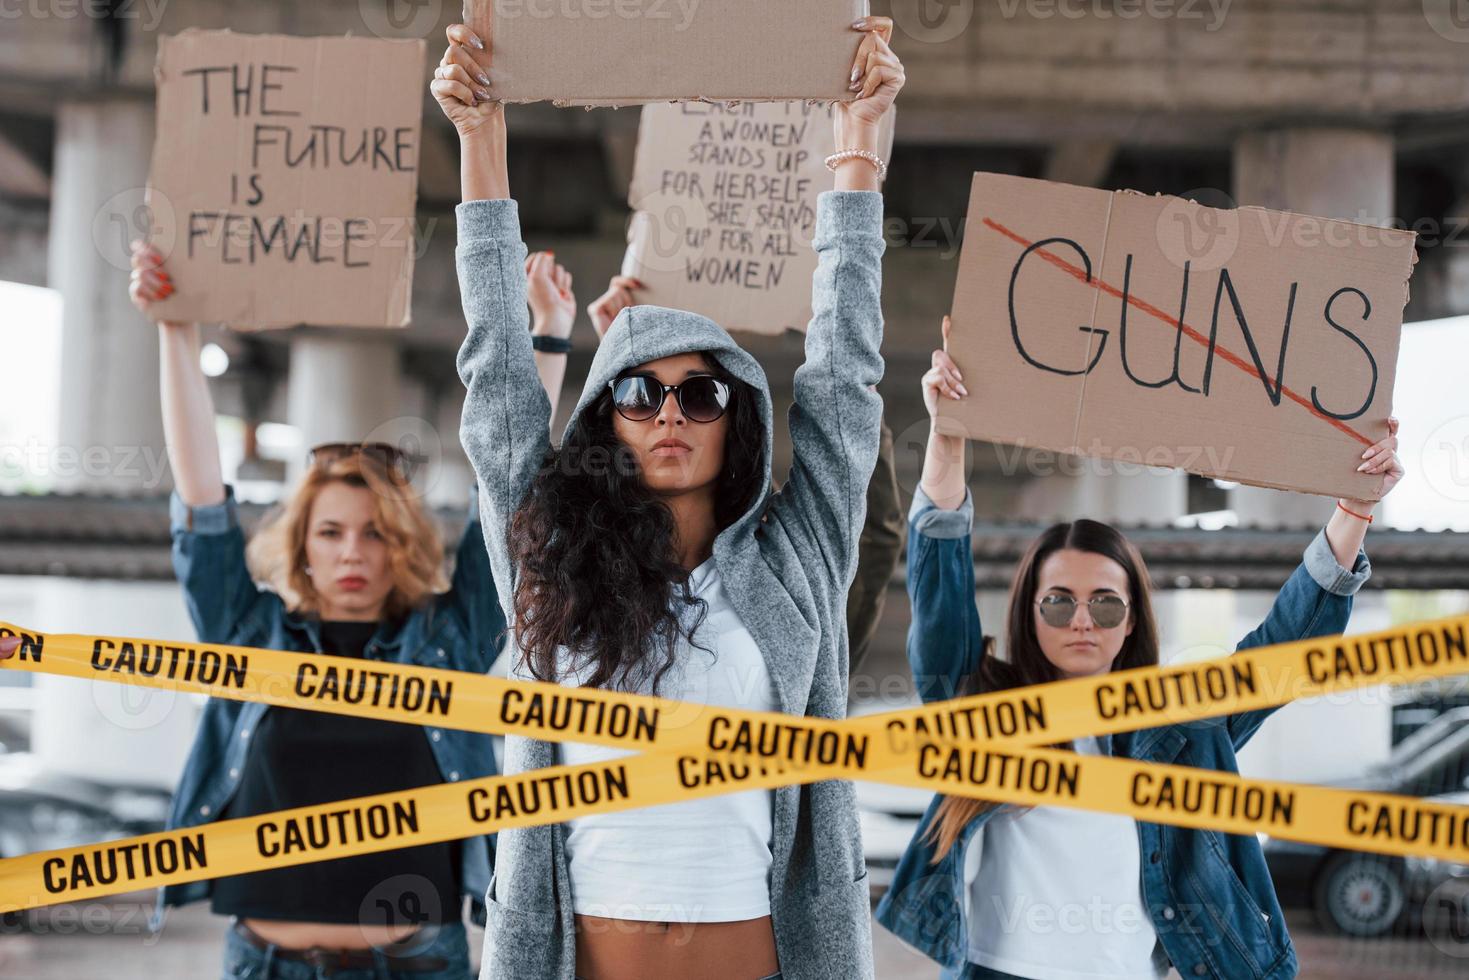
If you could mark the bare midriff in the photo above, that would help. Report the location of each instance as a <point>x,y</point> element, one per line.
<point>626,949</point>
<point>327,935</point>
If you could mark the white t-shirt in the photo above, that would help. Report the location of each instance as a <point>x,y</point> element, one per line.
<point>703,860</point>
<point>1058,896</point>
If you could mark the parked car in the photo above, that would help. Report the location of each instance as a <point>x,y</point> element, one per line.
<point>1362,894</point>
<point>41,810</point>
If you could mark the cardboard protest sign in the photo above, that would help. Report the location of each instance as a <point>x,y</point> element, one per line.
<point>285,177</point>
<point>628,52</point>
<point>724,209</point>
<point>1250,345</point>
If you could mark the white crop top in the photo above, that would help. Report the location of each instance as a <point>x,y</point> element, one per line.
<point>1059,896</point>
<point>704,860</point>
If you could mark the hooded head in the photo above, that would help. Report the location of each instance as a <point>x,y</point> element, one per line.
<point>594,541</point>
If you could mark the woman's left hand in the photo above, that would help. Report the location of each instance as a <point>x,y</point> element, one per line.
<point>877,75</point>
<point>1381,457</point>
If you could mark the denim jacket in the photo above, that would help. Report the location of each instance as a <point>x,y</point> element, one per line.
<point>1209,894</point>
<point>462,629</point>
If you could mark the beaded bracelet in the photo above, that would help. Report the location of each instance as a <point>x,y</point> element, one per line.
<point>868,155</point>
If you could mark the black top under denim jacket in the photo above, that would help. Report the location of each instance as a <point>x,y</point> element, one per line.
<point>462,629</point>
<point>305,758</point>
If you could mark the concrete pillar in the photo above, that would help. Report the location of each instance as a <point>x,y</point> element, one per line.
<point>1332,173</point>
<point>111,430</point>
<point>1104,490</point>
<point>344,386</point>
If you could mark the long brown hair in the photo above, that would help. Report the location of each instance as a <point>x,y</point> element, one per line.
<point>1027,663</point>
<point>594,546</point>
<point>277,552</point>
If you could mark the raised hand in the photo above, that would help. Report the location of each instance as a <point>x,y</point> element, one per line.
<point>942,377</point>
<point>604,309</point>
<point>548,290</point>
<point>462,83</point>
<point>877,76</point>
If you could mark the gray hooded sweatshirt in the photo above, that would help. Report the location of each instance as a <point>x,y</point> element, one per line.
<point>786,563</point>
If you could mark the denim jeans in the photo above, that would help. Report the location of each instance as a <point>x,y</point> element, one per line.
<point>243,961</point>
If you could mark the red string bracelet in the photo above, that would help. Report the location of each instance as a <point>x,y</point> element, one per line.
<point>1360,517</point>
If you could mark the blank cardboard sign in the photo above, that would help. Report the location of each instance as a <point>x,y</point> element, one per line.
<point>629,52</point>
<point>285,178</point>
<point>1250,345</point>
<point>724,209</point>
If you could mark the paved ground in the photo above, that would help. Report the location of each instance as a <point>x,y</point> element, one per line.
<point>110,942</point>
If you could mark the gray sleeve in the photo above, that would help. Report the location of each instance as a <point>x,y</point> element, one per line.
<point>506,412</point>
<point>836,417</point>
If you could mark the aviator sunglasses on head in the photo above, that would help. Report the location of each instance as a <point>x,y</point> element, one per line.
<point>639,397</point>
<point>392,459</point>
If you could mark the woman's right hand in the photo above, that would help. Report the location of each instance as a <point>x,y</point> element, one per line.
<point>942,377</point>
<point>548,291</point>
<point>462,83</point>
<point>8,646</point>
<point>604,309</point>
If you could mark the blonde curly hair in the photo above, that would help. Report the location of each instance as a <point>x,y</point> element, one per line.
<point>276,553</point>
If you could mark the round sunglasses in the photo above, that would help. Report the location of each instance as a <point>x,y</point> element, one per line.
<point>1107,611</point>
<point>639,397</point>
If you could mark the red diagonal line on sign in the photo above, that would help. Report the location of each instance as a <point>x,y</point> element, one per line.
<point>1187,330</point>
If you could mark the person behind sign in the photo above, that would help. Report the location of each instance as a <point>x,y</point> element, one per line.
<point>1080,606</point>
<point>351,566</point>
<point>651,545</point>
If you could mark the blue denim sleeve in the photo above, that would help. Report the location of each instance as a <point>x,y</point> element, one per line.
<point>209,562</point>
<point>1315,601</point>
<point>473,599</point>
<point>945,641</point>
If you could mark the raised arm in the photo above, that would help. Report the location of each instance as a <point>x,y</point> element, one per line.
<point>506,412</point>
<point>945,641</point>
<point>188,410</point>
<point>837,414</point>
<point>1317,599</point>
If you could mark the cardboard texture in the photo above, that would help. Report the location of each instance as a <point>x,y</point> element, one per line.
<point>285,178</point>
<point>1250,345</point>
<point>630,52</point>
<point>724,209</point>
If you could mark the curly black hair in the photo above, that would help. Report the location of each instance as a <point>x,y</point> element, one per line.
<point>594,549</point>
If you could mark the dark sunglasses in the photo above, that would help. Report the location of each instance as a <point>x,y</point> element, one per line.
<point>1107,611</point>
<point>639,397</point>
<point>392,459</point>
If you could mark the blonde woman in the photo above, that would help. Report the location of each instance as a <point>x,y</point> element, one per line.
<point>350,565</point>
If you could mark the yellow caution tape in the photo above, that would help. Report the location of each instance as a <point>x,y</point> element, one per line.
<point>978,746</point>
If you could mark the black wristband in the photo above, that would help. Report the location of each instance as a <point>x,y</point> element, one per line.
<point>550,345</point>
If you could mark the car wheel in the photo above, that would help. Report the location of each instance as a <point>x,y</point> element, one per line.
<point>1359,894</point>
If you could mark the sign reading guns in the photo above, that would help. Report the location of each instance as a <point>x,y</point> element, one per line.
<point>285,178</point>
<point>1249,345</point>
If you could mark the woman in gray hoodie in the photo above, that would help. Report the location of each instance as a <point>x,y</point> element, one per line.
<point>649,553</point>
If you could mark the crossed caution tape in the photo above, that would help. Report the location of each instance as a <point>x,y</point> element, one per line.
<point>983,746</point>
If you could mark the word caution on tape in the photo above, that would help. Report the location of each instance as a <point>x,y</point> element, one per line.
<point>989,747</point>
